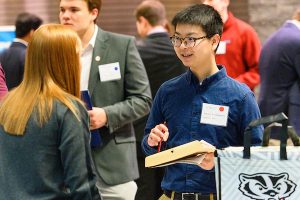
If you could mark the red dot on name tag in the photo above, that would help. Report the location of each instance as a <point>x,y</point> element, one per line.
<point>221,109</point>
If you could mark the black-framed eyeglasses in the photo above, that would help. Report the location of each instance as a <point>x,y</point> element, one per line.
<point>187,41</point>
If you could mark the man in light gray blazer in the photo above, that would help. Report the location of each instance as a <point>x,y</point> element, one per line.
<point>115,76</point>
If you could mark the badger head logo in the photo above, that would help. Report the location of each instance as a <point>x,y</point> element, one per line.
<point>265,186</point>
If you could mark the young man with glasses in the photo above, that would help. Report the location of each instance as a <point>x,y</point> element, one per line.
<point>202,104</point>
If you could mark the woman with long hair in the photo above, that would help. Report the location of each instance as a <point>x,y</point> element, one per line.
<point>44,128</point>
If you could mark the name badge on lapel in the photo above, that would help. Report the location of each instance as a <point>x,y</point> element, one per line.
<point>109,72</point>
<point>214,114</point>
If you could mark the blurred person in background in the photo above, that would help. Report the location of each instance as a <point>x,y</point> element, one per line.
<point>239,48</point>
<point>44,132</point>
<point>3,87</point>
<point>161,64</point>
<point>279,67</point>
<point>13,58</point>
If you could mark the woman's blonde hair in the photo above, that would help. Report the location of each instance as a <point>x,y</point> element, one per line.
<point>52,72</point>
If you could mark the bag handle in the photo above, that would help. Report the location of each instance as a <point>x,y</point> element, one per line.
<point>290,130</point>
<point>280,118</point>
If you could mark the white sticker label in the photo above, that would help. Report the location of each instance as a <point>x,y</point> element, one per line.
<point>110,72</point>
<point>214,114</point>
<point>222,48</point>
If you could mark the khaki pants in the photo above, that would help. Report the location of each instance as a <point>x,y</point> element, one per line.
<point>274,142</point>
<point>125,191</point>
<point>164,197</point>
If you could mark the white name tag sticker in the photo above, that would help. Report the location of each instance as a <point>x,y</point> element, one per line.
<point>214,114</point>
<point>222,48</point>
<point>109,72</point>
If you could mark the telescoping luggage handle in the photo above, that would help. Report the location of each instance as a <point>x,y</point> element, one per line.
<point>279,118</point>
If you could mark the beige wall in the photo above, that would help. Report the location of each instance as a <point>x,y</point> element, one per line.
<point>267,15</point>
<point>46,9</point>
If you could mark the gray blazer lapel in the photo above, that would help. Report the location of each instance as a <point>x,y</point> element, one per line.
<point>99,53</point>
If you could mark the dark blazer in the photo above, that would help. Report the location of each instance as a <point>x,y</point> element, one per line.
<point>13,61</point>
<point>124,101</point>
<point>279,67</point>
<point>161,63</point>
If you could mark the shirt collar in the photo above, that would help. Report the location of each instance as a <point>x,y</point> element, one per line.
<point>92,41</point>
<point>192,79</point>
<point>21,41</point>
<point>158,29</point>
<point>229,21</point>
<point>295,22</point>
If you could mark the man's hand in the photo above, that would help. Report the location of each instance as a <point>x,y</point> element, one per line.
<point>98,118</point>
<point>158,133</point>
<point>208,161</point>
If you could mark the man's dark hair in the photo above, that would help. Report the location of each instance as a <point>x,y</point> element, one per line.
<point>94,4</point>
<point>26,22</point>
<point>201,15</point>
<point>153,10</point>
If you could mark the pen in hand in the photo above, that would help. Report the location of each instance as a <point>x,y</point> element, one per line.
<point>157,136</point>
<point>159,145</point>
<point>161,140</point>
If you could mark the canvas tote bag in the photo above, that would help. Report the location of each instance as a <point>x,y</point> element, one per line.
<point>265,173</point>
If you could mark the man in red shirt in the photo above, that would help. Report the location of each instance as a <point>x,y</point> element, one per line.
<point>239,48</point>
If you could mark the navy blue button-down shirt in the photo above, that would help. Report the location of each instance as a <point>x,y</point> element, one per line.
<point>179,103</point>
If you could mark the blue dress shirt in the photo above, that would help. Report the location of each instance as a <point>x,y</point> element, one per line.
<point>179,101</point>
